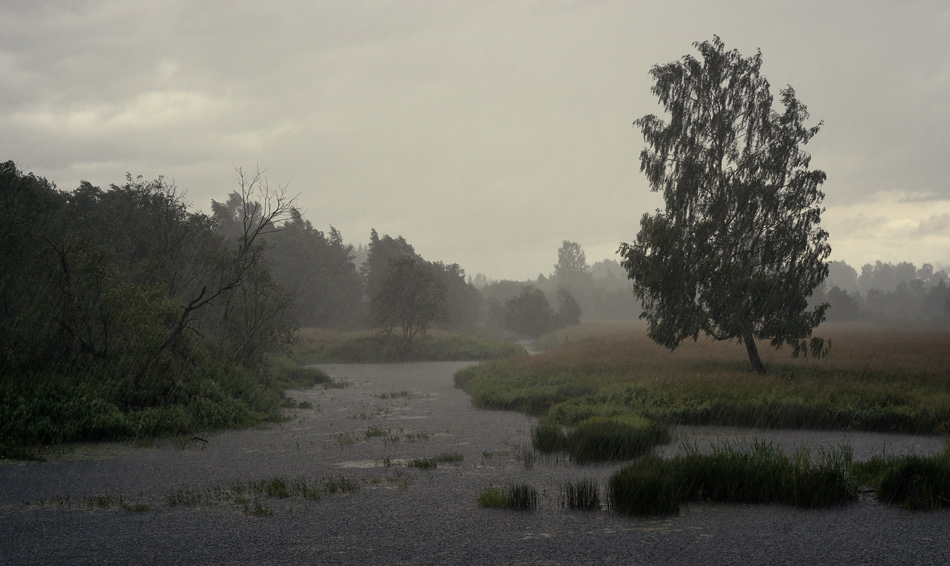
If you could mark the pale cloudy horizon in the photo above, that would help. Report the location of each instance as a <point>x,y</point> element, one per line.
<point>485,133</point>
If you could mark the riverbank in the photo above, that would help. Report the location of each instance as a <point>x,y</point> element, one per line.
<point>368,432</point>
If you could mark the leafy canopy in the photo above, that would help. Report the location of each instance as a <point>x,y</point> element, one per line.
<point>738,250</point>
<point>410,298</point>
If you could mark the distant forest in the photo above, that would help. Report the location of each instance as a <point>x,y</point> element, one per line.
<point>130,273</point>
<point>886,292</point>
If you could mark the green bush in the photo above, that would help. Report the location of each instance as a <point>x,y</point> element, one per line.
<point>102,404</point>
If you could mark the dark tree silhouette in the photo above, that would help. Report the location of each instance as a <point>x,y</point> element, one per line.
<point>738,250</point>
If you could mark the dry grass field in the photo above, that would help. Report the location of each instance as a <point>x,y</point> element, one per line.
<point>598,387</point>
<point>875,377</point>
<point>856,347</point>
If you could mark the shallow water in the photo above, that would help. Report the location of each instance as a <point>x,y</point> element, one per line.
<point>368,432</point>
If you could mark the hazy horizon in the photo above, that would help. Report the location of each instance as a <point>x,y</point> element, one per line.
<point>483,133</point>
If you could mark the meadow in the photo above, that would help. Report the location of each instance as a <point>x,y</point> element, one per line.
<point>605,391</point>
<point>875,378</point>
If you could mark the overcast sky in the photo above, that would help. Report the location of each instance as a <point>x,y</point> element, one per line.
<point>485,133</point>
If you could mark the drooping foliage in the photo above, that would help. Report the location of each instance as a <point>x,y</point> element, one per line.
<point>738,249</point>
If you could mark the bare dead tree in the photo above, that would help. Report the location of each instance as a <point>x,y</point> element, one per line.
<point>262,207</point>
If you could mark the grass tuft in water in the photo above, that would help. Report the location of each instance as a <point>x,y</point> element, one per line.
<point>580,495</point>
<point>548,437</point>
<point>754,473</point>
<point>911,481</point>
<point>522,497</point>
<point>614,438</point>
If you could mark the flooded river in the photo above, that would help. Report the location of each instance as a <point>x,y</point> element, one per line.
<point>368,434</point>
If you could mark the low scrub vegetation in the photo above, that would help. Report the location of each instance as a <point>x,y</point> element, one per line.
<point>245,496</point>
<point>433,462</point>
<point>328,346</point>
<point>56,408</point>
<point>873,379</point>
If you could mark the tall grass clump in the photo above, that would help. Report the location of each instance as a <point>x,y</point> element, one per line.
<point>645,488</point>
<point>580,495</point>
<point>755,473</point>
<point>521,497</point>
<point>911,481</point>
<point>548,437</point>
<point>614,438</point>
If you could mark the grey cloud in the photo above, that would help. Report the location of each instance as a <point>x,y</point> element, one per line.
<point>935,225</point>
<point>510,121</point>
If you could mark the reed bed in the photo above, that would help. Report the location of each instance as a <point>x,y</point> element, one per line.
<point>755,473</point>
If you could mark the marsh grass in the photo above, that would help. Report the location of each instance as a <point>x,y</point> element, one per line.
<point>326,346</point>
<point>614,438</point>
<point>521,497</point>
<point>733,473</point>
<point>245,496</point>
<point>432,463</point>
<point>375,431</point>
<point>548,437</point>
<point>526,454</point>
<point>911,481</point>
<point>875,378</point>
<point>583,495</point>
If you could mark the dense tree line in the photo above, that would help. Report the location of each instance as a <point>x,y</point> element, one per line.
<point>124,312</point>
<point>129,281</point>
<point>580,291</point>
<point>886,292</point>
<point>130,278</point>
